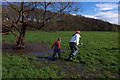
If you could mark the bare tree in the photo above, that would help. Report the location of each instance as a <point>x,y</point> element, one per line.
<point>18,15</point>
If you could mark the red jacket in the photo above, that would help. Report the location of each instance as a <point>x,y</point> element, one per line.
<point>56,45</point>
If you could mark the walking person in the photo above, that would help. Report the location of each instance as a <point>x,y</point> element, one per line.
<point>74,42</point>
<point>56,48</point>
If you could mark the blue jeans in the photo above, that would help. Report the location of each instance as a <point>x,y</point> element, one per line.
<point>55,52</point>
<point>74,50</point>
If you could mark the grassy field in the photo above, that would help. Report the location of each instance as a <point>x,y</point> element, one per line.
<point>97,57</point>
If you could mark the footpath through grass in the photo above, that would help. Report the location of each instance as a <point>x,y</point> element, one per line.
<point>98,54</point>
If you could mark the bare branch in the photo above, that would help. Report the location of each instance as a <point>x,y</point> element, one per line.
<point>14,33</point>
<point>13,7</point>
<point>9,18</point>
<point>18,18</point>
<point>63,7</point>
<point>10,29</point>
<point>16,28</point>
<point>48,4</point>
<point>32,8</point>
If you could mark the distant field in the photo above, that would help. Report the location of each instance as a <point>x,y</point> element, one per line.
<point>99,55</point>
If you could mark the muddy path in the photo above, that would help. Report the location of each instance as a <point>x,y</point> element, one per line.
<point>36,49</point>
<point>41,51</point>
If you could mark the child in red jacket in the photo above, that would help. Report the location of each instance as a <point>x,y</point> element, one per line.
<point>56,47</point>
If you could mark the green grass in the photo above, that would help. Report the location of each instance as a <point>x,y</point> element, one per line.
<point>99,54</point>
<point>27,67</point>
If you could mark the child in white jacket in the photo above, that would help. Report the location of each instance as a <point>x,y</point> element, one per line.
<point>74,42</point>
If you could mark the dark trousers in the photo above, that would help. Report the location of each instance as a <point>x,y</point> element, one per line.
<point>74,50</point>
<point>55,52</point>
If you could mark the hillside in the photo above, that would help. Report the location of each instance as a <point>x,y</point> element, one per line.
<point>70,22</point>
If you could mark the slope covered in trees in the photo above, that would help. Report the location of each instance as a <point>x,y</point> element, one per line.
<point>70,22</point>
<point>65,21</point>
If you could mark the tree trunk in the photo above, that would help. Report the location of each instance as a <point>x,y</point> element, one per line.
<point>21,39</point>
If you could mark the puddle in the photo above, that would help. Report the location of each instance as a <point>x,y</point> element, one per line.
<point>35,49</point>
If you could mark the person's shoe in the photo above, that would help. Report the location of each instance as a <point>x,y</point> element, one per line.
<point>71,59</point>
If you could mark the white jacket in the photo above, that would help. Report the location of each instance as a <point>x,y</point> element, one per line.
<point>75,39</point>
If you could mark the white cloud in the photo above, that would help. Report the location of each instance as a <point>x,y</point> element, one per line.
<point>74,14</point>
<point>106,12</point>
<point>106,6</point>
<point>111,17</point>
<point>90,16</point>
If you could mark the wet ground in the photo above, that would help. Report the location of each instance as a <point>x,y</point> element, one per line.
<point>44,54</point>
<point>41,51</point>
<point>35,49</point>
